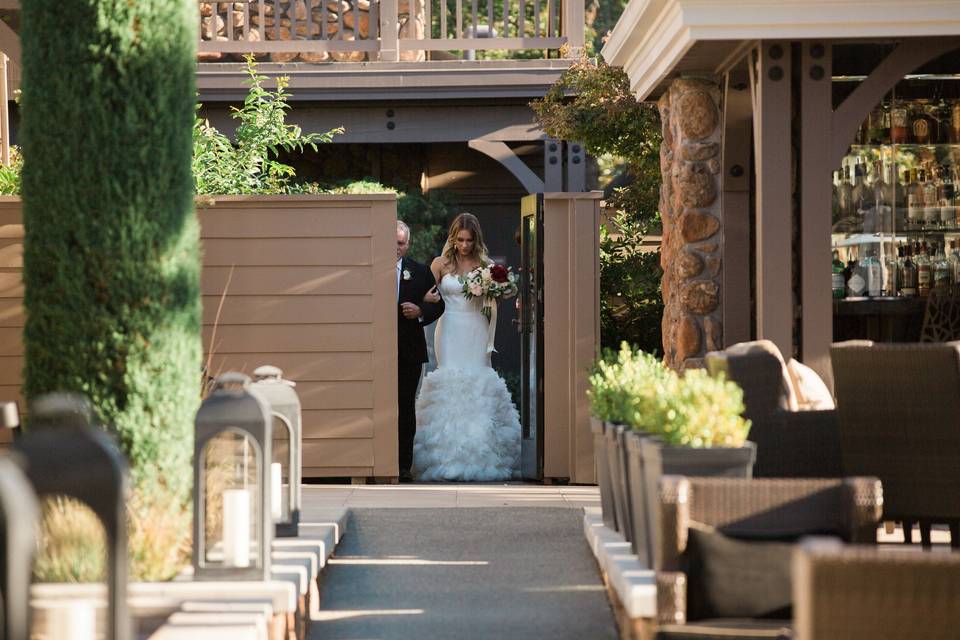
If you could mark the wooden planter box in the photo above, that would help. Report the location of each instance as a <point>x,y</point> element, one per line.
<point>648,459</point>
<point>604,481</point>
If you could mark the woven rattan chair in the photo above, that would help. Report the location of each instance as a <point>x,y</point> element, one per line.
<point>941,316</point>
<point>899,407</point>
<point>790,444</point>
<point>759,509</point>
<point>861,593</point>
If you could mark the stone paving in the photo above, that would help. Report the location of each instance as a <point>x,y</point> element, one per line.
<point>448,495</point>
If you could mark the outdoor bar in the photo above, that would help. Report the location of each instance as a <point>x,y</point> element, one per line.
<point>850,176</point>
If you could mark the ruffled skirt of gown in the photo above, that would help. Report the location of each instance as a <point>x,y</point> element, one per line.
<point>467,425</point>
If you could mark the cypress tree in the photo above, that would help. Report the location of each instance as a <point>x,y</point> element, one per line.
<point>111,261</point>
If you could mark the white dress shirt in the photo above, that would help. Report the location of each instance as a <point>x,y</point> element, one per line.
<point>399,272</point>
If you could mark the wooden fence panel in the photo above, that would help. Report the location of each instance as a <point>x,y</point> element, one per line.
<point>305,283</point>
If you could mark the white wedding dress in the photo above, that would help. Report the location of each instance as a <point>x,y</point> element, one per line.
<point>467,425</point>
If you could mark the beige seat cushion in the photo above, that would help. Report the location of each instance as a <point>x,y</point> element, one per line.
<point>811,391</point>
<point>767,346</point>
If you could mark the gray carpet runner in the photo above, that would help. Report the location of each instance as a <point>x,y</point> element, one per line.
<point>466,573</point>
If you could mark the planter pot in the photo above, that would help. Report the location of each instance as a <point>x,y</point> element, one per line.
<point>640,542</point>
<point>614,436</point>
<point>657,459</point>
<point>604,482</point>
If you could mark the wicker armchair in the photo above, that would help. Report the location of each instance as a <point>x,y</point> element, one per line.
<point>899,407</point>
<point>753,510</point>
<point>790,444</point>
<point>861,593</point>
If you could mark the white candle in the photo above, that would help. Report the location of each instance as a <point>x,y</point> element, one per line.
<point>71,620</point>
<point>236,528</point>
<point>276,502</point>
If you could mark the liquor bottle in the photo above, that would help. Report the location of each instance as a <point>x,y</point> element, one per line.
<point>924,271</point>
<point>914,199</point>
<point>891,273</point>
<point>873,273</point>
<point>941,268</point>
<point>861,199</point>
<point>899,123</point>
<point>838,282</point>
<point>931,203</point>
<point>857,280</point>
<point>920,124</point>
<point>955,123</point>
<point>883,197</point>
<point>948,205</point>
<point>954,263</point>
<point>845,195</point>
<point>908,275</point>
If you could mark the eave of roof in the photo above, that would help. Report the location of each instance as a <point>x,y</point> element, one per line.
<point>653,38</point>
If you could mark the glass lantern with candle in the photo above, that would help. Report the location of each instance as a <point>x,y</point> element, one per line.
<point>286,469</point>
<point>231,511</point>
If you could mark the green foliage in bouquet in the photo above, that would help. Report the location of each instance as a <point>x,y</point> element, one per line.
<point>634,388</point>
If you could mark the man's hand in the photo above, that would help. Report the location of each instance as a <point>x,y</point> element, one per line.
<point>433,296</point>
<point>410,311</point>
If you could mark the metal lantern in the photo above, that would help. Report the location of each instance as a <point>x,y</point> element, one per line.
<point>231,483</point>
<point>18,518</point>
<point>62,454</point>
<point>287,430</point>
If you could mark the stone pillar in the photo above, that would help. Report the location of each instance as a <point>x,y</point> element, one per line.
<point>690,205</point>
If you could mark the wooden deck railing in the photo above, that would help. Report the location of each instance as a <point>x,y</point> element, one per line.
<point>386,30</point>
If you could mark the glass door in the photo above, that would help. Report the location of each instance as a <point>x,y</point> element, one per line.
<point>531,332</point>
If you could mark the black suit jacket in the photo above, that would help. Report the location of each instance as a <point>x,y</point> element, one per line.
<point>411,346</point>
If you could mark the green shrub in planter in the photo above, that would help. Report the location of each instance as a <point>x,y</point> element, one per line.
<point>694,410</point>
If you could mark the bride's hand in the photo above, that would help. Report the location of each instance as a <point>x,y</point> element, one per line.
<point>433,296</point>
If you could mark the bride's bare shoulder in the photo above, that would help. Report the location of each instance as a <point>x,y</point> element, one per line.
<point>440,264</point>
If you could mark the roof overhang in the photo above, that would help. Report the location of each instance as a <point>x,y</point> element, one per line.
<point>655,40</point>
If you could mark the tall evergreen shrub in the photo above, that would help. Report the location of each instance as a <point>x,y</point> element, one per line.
<point>111,250</point>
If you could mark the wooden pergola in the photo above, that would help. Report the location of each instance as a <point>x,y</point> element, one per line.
<point>774,62</point>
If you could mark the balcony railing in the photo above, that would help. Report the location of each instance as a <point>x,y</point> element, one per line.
<point>386,30</point>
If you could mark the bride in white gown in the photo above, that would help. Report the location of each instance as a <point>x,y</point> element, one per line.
<point>467,425</point>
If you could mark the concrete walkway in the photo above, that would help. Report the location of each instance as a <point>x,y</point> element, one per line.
<point>470,572</point>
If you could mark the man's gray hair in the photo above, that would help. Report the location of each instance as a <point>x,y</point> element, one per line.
<point>402,226</point>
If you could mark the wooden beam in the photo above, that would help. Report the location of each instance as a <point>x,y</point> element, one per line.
<point>908,56</point>
<point>735,206</point>
<point>10,43</point>
<point>770,82</point>
<point>500,152</point>
<point>816,322</point>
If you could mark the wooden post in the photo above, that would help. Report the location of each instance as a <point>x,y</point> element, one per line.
<point>816,108</point>
<point>770,82</point>
<point>573,27</point>
<point>389,34</point>
<point>735,208</point>
<point>4,113</point>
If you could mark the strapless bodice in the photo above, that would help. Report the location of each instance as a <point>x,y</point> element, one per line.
<point>451,289</point>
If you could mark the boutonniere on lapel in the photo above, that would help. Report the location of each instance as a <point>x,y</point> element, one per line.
<point>406,274</point>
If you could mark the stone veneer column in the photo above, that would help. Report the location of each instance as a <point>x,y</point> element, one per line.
<point>690,206</point>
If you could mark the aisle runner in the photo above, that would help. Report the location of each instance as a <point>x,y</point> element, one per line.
<point>464,573</point>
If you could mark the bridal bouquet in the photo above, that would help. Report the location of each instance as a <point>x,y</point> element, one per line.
<point>490,283</point>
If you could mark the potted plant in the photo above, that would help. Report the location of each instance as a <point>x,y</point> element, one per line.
<point>685,425</point>
<point>614,384</point>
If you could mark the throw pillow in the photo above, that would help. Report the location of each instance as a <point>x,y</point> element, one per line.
<point>728,578</point>
<point>812,392</point>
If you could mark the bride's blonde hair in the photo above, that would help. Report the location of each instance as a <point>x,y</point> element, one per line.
<point>466,222</point>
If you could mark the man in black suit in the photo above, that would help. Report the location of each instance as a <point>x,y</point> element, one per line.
<point>414,280</point>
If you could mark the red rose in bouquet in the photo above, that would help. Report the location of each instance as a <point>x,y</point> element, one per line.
<point>498,273</point>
